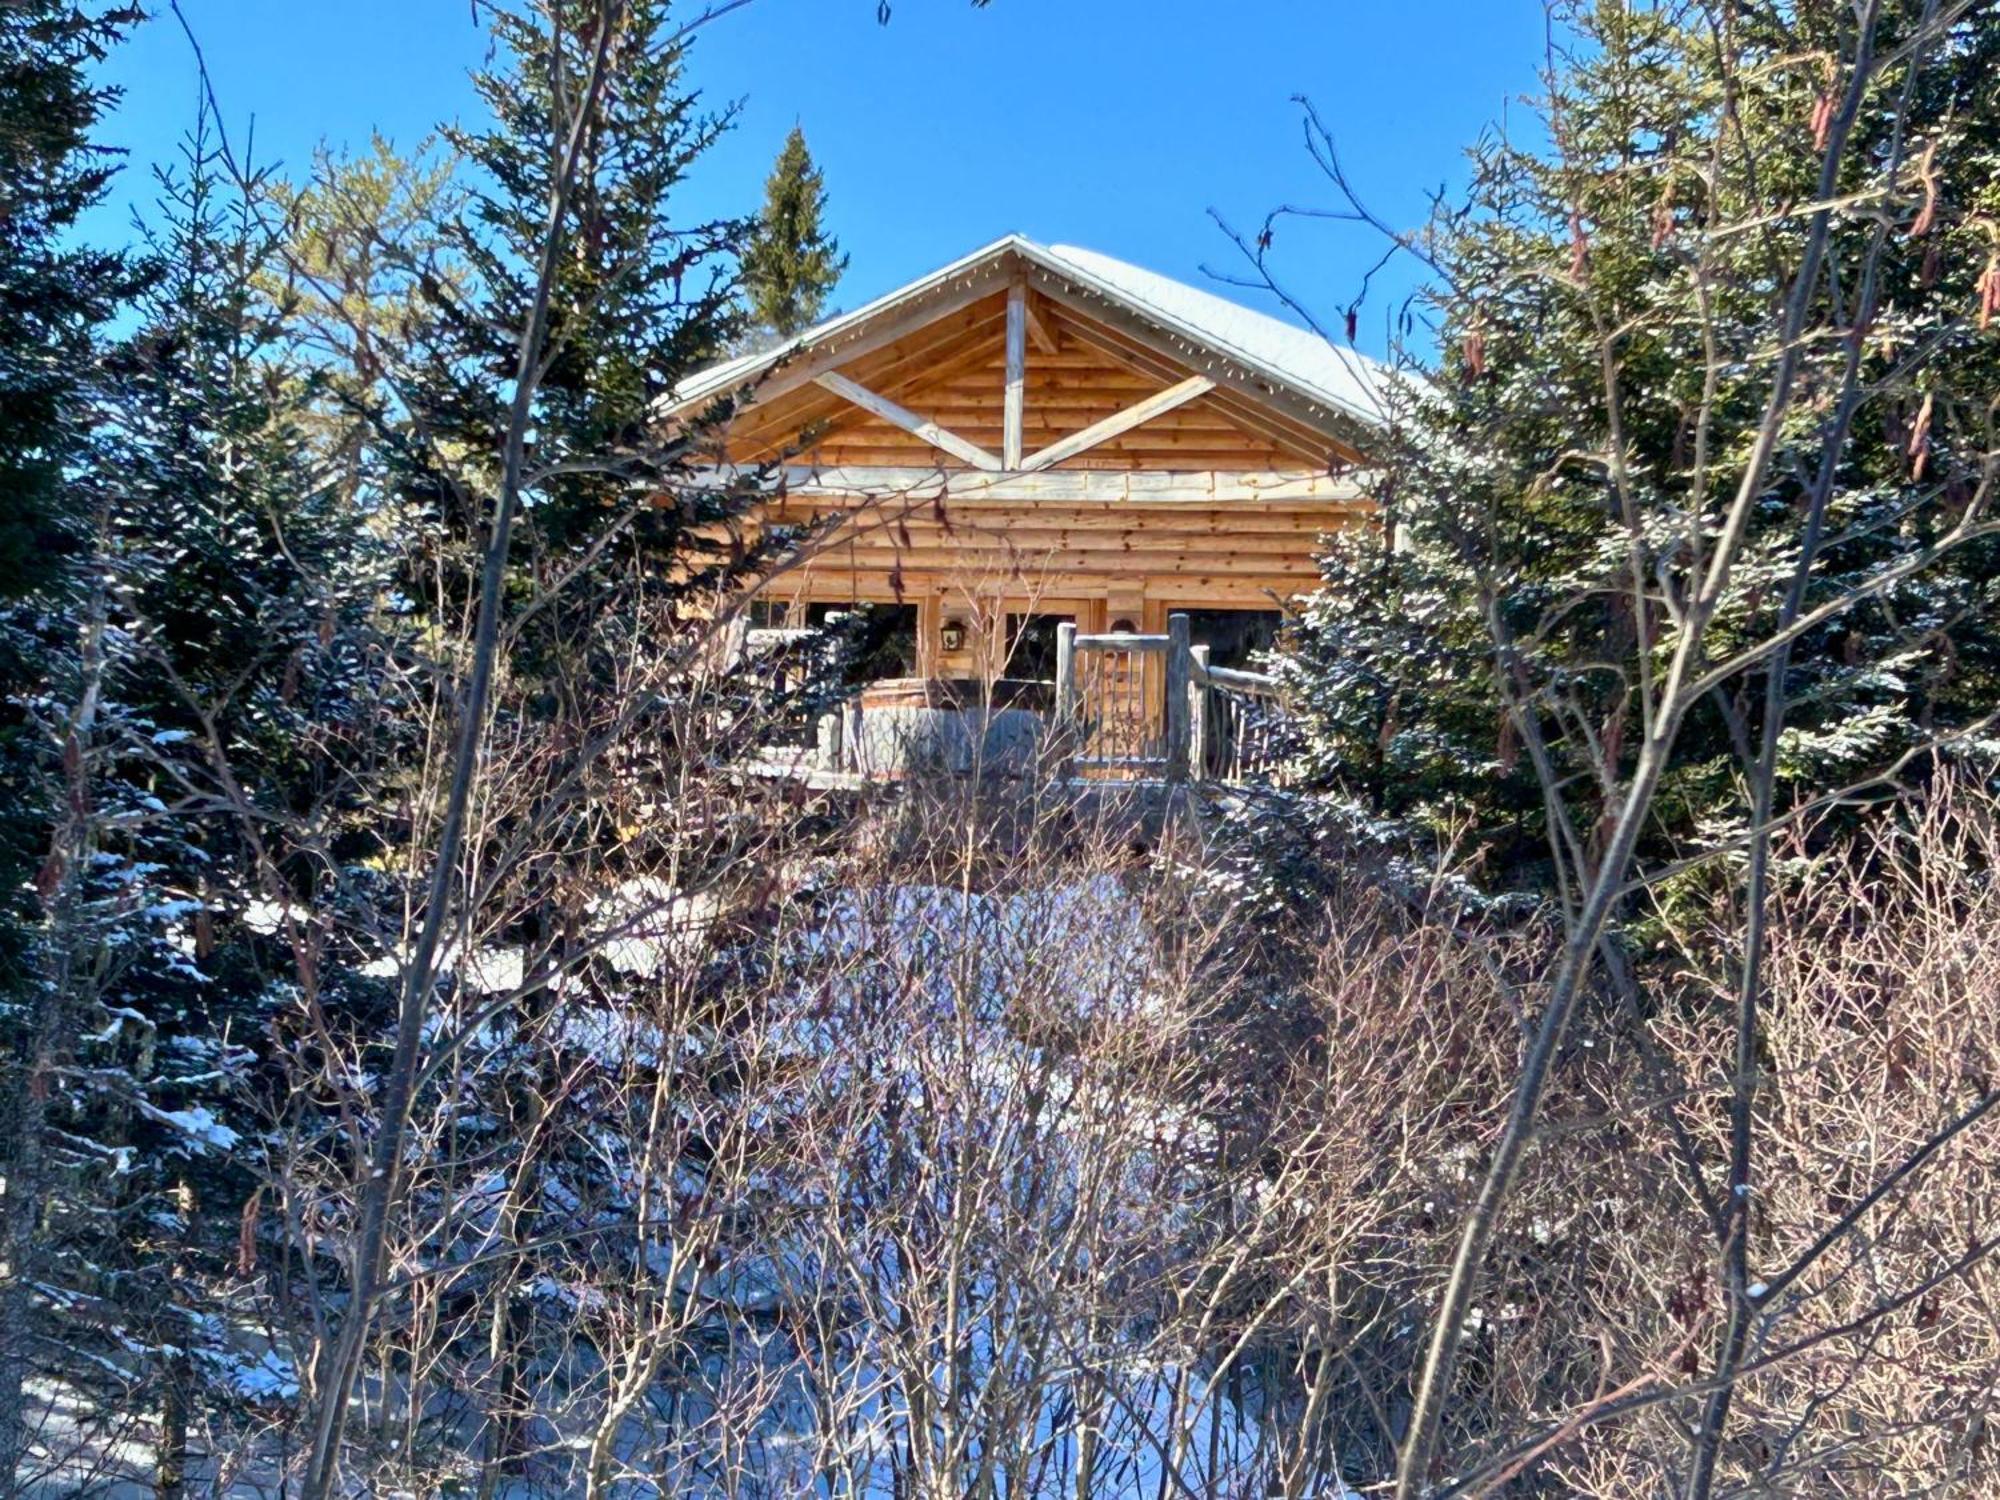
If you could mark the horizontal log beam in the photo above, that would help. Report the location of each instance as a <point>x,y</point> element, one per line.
<point>1120,530</point>
<point>1271,519</point>
<point>1058,564</point>
<point>1122,641</point>
<point>1287,548</point>
<point>863,483</point>
<point>1256,683</point>
<point>1204,590</point>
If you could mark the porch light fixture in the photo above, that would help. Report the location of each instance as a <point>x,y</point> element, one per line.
<point>951,635</point>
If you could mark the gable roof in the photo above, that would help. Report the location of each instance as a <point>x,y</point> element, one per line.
<point>1300,358</point>
<point>1345,390</point>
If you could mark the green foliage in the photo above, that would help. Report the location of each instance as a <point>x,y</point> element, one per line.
<point>791,263</point>
<point>639,300</point>
<point>1543,524</point>
<point>238,585</point>
<point>239,548</point>
<point>361,236</point>
<point>55,295</point>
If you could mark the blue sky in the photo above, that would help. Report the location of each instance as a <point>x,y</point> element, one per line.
<point>1113,124</point>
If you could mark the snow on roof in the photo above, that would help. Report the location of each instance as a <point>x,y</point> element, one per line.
<point>1341,377</point>
<point>1350,383</point>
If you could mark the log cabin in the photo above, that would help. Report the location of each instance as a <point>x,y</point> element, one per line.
<point>1041,434</point>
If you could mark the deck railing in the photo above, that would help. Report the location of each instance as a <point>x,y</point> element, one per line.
<point>1242,731</point>
<point>1132,706</point>
<point>778,667</point>
<point>1128,706</point>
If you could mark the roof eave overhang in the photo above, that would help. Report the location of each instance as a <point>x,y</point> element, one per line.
<point>985,269</point>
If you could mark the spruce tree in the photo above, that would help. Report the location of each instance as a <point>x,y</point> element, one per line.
<point>641,299</point>
<point>792,263</point>
<point>226,585</point>
<point>56,293</point>
<point>1480,626</point>
<point>1687,538</point>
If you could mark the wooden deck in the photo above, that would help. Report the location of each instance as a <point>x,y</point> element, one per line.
<point>1129,708</point>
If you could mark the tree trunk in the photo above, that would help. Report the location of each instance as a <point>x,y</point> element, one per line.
<point>176,1402</point>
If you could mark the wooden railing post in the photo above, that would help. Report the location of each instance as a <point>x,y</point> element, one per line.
<point>850,735</point>
<point>1063,719</point>
<point>1198,716</point>
<point>1178,658</point>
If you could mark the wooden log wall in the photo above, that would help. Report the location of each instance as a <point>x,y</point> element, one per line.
<point>1231,551</point>
<point>1096,561</point>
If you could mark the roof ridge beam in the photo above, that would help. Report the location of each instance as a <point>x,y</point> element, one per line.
<point>901,416</point>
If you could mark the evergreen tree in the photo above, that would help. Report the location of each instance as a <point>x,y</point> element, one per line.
<point>640,300</point>
<point>56,293</point>
<point>227,586</point>
<point>792,262</point>
<point>609,559</point>
<point>1687,536</point>
<point>1436,671</point>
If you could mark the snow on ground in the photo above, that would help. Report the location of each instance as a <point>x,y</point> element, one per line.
<point>1088,940</point>
<point>1081,950</point>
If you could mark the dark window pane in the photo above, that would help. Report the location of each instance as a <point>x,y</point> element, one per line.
<point>880,639</point>
<point>1031,646</point>
<point>1234,636</point>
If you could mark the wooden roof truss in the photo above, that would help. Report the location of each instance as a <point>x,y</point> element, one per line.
<point>1022,325</point>
<point>904,370</point>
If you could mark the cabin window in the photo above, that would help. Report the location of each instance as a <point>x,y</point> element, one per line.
<point>1031,645</point>
<point>1234,636</point>
<point>881,638</point>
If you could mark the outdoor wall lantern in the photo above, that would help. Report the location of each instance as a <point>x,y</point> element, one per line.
<point>951,635</point>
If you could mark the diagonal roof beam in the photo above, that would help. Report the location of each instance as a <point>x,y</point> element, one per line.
<point>909,421</point>
<point>801,367</point>
<point>1132,416</point>
<point>1146,329</point>
<point>897,373</point>
<point>1263,421</point>
<point>1038,331</point>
